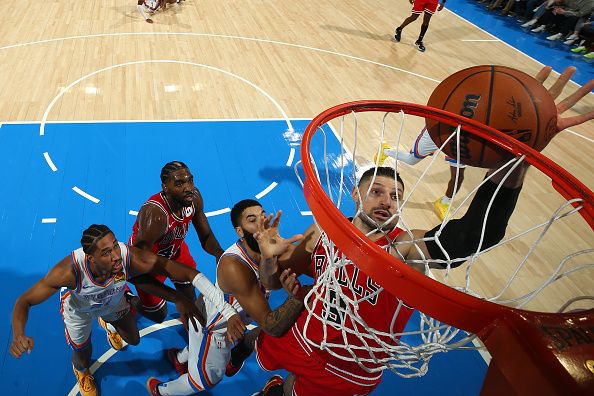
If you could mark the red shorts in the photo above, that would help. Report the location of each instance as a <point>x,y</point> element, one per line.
<point>153,303</point>
<point>428,6</point>
<point>313,376</point>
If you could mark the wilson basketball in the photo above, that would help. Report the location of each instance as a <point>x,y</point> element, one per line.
<point>501,97</point>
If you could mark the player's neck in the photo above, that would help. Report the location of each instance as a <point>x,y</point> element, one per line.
<point>365,229</point>
<point>174,206</point>
<point>98,275</point>
<point>255,256</point>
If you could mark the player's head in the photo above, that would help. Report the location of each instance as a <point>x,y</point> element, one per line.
<point>177,183</point>
<point>102,249</point>
<point>381,202</point>
<point>246,216</point>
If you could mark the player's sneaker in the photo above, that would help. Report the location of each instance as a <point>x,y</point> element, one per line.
<point>180,367</point>
<point>152,386</point>
<point>579,49</point>
<point>86,382</point>
<point>382,155</point>
<point>538,29</point>
<point>231,370</point>
<point>589,55</point>
<point>114,339</point>
<point>420,46</point>
<point>441,208</point>
<point>273,382</point>
<point>398,34</point>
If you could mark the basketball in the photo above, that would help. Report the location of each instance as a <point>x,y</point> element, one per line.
<point>503,98</point>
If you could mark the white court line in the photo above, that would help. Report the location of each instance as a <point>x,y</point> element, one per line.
<point>486,40</point>
<point>133,212</point>
<point>48,220</point>
<point>84,194</point>
<point>267,190</point>
<point>291,156</point>
<point>217,212</point>
<point>306,213</point>
<point>146,331</point>
<point>156,121</point>
<point>220,36</point>
<point>49,161</point>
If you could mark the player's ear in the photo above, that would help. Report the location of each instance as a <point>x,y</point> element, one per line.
<point>355,195</point>
<point>90,258</point>
<point>239,231</point>
<point>163,187</point>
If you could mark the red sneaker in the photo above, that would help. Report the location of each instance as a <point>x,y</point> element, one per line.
<point>152,386</point>
<point>273,382</point>
<point>181,368</point>
<point>231,370</point>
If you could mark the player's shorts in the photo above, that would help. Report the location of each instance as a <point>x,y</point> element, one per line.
<point>153,303</point>
<point>78,325</point>
<point>428,6</point>
<point>424,147</point>
<point>207,358</point>
<point>313,376</point>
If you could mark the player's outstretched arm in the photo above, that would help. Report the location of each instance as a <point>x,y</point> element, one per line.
<point>188,312</point>
<point>143,262</point>
<point>236,278</point>
<point>61,275</point>
<point>207,238</point>
<point>460,238</point>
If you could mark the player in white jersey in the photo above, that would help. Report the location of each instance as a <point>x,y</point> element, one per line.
<point>209,355</point>
<point>422,148</point>
<point>95,277</point>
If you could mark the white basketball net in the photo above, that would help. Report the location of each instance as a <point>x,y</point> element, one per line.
<point>407,353</point>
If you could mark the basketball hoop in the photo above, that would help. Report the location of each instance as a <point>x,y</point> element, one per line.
<point>532,351</point>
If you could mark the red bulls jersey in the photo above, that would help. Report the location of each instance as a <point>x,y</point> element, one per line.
<point>375,306</point>
<point>177,228</point>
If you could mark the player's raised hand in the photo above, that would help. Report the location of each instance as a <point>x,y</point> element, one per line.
<point>235,328</point>
<point>567,103</point>
<point>269,240</point>
<point>21,344</point>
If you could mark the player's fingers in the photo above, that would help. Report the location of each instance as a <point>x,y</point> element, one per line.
<point>561,82</point>
<point>294,238</point>
<point>285,274</point>
<point>572,99</point>
<point>568,122</point>
<point>277,218</point>
<point>543,74</point>
<point>14,351</point>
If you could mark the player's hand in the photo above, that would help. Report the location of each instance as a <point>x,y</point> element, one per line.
<point>235,328</point>
<point>567,103</point>
<point>21,344</point>
<point>269,240</point>
<point>189,312</point>
<point>292,285</point>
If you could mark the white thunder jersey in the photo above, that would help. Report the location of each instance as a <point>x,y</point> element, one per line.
<point>215,321</point>
<point>91,296</point>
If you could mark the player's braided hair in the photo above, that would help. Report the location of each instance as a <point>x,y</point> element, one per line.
<point>239,208</point>
<point>171,167</point>
<point>91,235</point>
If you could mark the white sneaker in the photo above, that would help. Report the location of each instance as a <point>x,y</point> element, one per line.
<point>555,36</point>
<point>538,29</point>
<point>572,36</point>
<point>530,23</point>
<point>570,41</point>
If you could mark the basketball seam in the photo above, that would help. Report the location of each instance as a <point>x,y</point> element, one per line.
<point>488,114</point>
<point>452,91</point>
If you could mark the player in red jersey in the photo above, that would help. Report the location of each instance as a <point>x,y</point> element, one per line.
<point>161,226</point>
<point>314,371</point>
<point>428,7</point>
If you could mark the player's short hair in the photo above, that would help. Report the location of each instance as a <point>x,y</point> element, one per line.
<point>381,171</point>
<point>91,235</point>
<point>239,208</point>
<point>171,167</point>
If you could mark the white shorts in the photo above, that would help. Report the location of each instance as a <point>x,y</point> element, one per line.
<point>207,358</point>
<point>424,147</point>
<point>78,325</point>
